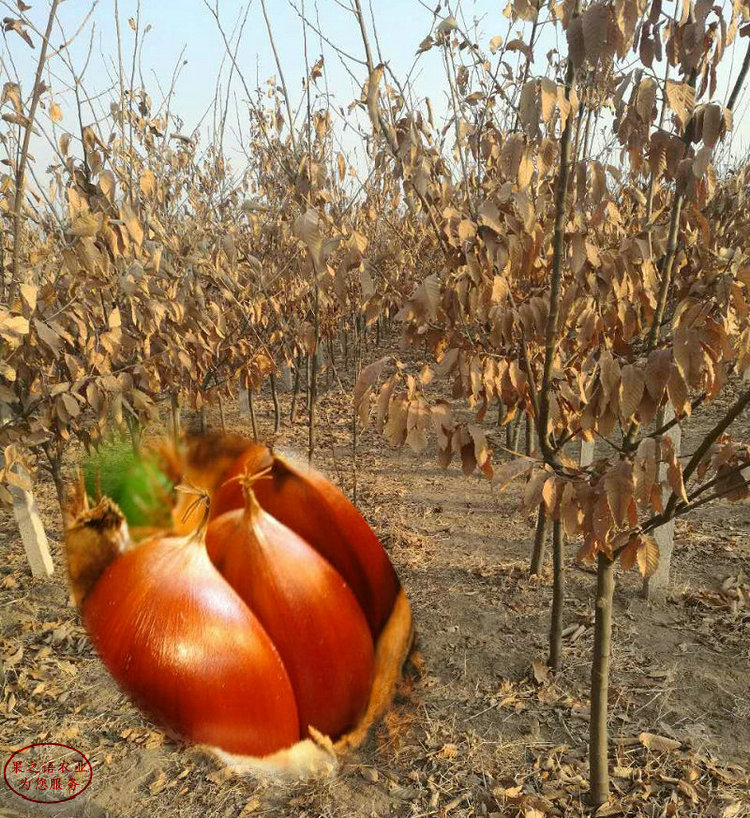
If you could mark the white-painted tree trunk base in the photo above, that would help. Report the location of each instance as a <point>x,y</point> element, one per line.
<point>655,586</point>
<point>33,535</point>
<point>243,398</point>
<point>587,453</point>
<point>284,380</point>
<point>32,532</point>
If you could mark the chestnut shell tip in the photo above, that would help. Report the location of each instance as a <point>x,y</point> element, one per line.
<point>105,515</point>
<point>93,539</point>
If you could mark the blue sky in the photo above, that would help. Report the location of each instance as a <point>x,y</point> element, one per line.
<point>401,25</point>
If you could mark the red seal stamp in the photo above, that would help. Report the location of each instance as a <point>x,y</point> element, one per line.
<point>48,773</point>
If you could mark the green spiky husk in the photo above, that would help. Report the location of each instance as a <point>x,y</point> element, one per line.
<point>136,482</point>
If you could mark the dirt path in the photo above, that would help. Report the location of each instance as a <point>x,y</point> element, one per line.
<point>477,729</point>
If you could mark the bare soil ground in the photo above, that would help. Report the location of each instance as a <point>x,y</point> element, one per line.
<point>478,728</point>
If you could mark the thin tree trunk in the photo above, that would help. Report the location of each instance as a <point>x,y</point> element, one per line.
<point>529,440</point>
<point>136,433</point>
<point>276,409</point>
<point>202,419</point>
<point>332,365</point>
<point>252,414</point>
<point>558,598</point>
<point>516,433</point>
<point>20,180</point>
<point>312,396</point>
<point>284,92</point>
<point>667,261</point>
<point>313,359</point>
<point>331,362</point>
<point>356,353</point>
<point>598,740</point>
<point>222,420</point>
<point>354,453</point>
<point>740,80</point>
<point>666,273</point>
<point>577,143</point>
<point>295,392</point>
<point>537,556</point>
<point>175,418</point>
<point>552,332</point>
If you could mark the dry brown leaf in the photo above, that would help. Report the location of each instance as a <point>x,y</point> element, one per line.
<point>540,672</point>
<point>647,555</point>
<point>631,391</point>
<point>506,473</point>
<point>620,486</point>
<point>681,99</point>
